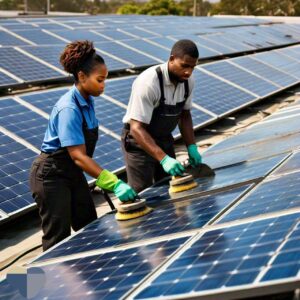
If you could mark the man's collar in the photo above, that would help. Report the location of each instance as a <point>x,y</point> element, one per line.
<point>165,72</point>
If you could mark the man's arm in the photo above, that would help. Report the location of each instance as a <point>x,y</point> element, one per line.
<point>186,127</point>
<point>144,139</point>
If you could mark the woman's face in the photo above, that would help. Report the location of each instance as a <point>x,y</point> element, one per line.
<point>94,83</point>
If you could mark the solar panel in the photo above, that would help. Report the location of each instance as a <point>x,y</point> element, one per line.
<point>79,34</point>
<point>290,52</point>
<point>275,128</point>
<point>139,32</point>
<point>119,89</point>
<point>22,121</point>
<point>114,34</point>
<point>211,42</point>
<point>7,39</point>
<point>234,258</point>
<point>228,176</point>
<point>6,80</point>
<point>137,59</point>
<point>25,67</point>
<point>273,195</point>
<point>15,162</point>
<point>149,48</point>
<point>163,41</point>
<point>200,118</point>
<point>280,61</point>
<point>169,219</point>
<point>39,37</point>
<point>291,165</point>
<point>266,71</point>
<point>102,276</point>
<point>50,53</point>
<point>216,95</point>
<point>224,157</point>
<point>108,152</point>
<point>109,114</point>
<point>44,100</point>
<point>18,26</point>
<point>242,78</point>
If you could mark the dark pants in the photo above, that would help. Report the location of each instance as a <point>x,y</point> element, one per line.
<point>142,169</point>
<point>63,198</point>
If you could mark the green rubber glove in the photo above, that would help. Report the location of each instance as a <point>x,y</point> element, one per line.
<point>107,180</point>
<point>172,166</point>
<point>195,158</point>
<point>124,192</point>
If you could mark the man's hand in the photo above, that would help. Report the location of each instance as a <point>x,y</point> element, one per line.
<point>172,166</point>
<point>195,158</point>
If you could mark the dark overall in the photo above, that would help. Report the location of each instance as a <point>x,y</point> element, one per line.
<point>61,191</point>
<point>142,169</point>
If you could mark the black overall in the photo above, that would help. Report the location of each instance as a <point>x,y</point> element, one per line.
<point>142,169</point>
<point>61,191</point>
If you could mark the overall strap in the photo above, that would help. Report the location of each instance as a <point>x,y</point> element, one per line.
<point>186,90</point>
<point>83,117</point>
<point>161,85</point>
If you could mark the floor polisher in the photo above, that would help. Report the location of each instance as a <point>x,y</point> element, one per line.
<point>187,180</point>
<point>132,209</point>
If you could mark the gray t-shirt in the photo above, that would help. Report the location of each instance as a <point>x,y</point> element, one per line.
<point>145,94</point>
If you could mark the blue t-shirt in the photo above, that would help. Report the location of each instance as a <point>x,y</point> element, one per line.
<point>65,123</point>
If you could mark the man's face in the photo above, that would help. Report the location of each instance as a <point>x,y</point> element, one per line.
<point>181,68</point>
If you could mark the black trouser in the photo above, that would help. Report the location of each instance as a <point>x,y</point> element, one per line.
<point>142,169</point>
<point>63,198</point>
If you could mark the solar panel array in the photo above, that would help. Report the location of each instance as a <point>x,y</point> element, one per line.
<point>221,88</point>
<point>127,43</point>
<point>239,237</point>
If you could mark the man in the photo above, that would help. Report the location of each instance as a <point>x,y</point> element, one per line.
<point>161,99</point>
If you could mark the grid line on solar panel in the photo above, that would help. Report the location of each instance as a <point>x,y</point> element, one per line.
<point>5,80</point>
<point>7,39</point>
<point>228,259</point>
<point>103,276</point>
<point>216,95</point>
<point>25,67</point>
<point>278,77</point>
<point>174,218</point>
<point>292,164</point>
<point>15,162</point>
<point>272,195</point>
<point>232,175</point>
<point>242,78</point>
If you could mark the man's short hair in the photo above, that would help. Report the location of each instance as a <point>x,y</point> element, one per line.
<point>185,47</point>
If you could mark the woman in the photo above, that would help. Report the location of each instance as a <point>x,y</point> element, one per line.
<point>58,184</point>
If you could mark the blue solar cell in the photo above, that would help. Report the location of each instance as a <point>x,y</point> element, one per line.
<point>22,121</point>
<point>119,89</point>
<point>200,117</point>
<point>109,114</point>
<point>163,41</point>
<point>103,276</point>
<point>212,42</point>
<point>25,67</point>
<point>7,39</point>
<point>218,96</point>
<point>139,32</point>
<point>242,78</point>
<point>39,37</point>
<point>290,52</point>
<point>15,159</point>
<point>170,219</point>
<point>6,80</point>
<point>227,259</point>
<point>227,176</point>
<point>280,61</point>
<point>78,34</point>
<point>149,48</point>
<point>268,72</point>
<point>44,100</point>
<point>135,58</point>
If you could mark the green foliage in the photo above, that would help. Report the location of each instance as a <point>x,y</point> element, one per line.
<point>128,9</point>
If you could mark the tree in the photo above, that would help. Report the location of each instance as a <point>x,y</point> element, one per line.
<point>160,7</point>
<point>128,9</point>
